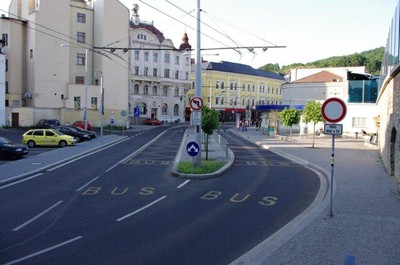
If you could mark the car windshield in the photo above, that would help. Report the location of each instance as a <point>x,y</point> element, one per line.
<point>57,132</point>
<point>4,141</point>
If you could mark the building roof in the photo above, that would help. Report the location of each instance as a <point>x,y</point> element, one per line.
<point>149,27</point>
<point>320,77</point>
<point>237,68</point>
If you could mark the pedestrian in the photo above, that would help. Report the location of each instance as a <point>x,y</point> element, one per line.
<point>246,124</point>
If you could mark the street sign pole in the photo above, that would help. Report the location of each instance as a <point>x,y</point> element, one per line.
<point>332,170</point>
<point>197,82</point>
<point>333,110</point>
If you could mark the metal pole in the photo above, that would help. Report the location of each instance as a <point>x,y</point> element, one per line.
<point>198,82</point>
<point>86,88</point>
<point>332,170</point>
<point>102,104</point>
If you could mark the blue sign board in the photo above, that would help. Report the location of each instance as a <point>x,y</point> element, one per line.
<point>136,112</point>
<point>192,148</point>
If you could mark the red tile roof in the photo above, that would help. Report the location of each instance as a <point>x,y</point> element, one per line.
<point>321,77</point>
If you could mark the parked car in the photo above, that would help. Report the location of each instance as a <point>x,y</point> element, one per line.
<point>8,149</point>
<point>73,131</point>
<point>47,123</point>
<point>153,121</point>
<point>81,124</point>
<point>47,137</point>
<point>92,134</point>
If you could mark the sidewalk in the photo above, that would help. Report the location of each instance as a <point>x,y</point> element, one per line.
<point>365,226</point>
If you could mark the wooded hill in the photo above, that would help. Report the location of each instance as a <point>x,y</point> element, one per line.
<point>371,59</point>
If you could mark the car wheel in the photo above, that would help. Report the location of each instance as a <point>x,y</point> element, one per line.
<point>62,143</point>
<point>31,144</point>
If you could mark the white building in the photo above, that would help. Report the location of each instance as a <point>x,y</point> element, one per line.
<point>159,72</point>
<point>351,84</point>
<point>53,63</point>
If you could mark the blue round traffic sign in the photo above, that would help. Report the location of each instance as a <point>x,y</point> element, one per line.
<point>192,148</point>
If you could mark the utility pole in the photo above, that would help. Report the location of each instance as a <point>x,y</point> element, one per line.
<point>198,84</point>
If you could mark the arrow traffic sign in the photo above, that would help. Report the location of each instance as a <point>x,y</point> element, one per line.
<point>196,103</point>
<point>192,148</point>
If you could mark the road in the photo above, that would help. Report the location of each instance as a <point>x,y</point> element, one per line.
<point>122,206</point>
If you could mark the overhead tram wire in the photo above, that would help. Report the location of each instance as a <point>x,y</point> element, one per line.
<point>162,12</point>
<point>202,22</point>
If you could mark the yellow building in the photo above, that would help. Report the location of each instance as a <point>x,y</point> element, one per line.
<point>236,89</point>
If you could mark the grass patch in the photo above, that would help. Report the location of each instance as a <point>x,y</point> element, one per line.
<point>205,167</point>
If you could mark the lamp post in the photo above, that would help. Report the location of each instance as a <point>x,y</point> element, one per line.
<point>101,102</point>
<point>86,89</point>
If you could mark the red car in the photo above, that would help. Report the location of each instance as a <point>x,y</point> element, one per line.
<point>153,121</point>
<point>81,124</point>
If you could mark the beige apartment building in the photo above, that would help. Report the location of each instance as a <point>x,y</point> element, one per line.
<point>53,66</point>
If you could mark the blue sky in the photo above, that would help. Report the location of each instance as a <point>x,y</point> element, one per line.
<point>310,30</point>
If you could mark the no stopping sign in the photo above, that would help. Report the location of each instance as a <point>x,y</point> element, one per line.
<point>333,110</point>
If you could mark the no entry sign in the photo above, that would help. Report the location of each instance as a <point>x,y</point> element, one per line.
<point>333,110</point>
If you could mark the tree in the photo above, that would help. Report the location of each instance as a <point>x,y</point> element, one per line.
<point>289,117</point>
<point>209,123</point>
<point>312,113</point>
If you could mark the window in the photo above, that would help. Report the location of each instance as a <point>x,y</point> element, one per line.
<point>248,87</point>
<point>146,71</point>
<point>81,18</point>
<point>4,37</point>
<point>176,74</point>
<point>177,60</point>
<point>359,122</point>
<point>77,102</point>
<point>165,91</point>
<point>80,59</point>
<point>222,84</point>
<point>155,57</point>
<point>243,87</point>
<point>80,37</point>
<point>15,103</point>
<point>136,89</point>
<point>136,71</point>
<point>93,101</point>
<point>155,92</point>
<point>186,75</point>
<point>167,58</point>
<point>166,73</point>
<point>231,86</point>
<point>31,53</point>
<point>363,91</point>
<point>186,61</point>
<point>216,84</point>
<point>136,55</point>
<point>176,109</point>
<point>146,90</point>
<point>176,92</point>
<point>254,88</point>
<point>38,132</point>
<point>141,37</point>
<point>154,71</point>
<point>79,80</point>
<point>146,56</point>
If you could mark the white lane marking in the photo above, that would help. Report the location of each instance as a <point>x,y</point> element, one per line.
<point>123,160</point>
<point>43,251</point>
<point>84,186</point>
<point>37,216</point>
<point>89,154</point>
<point>141,209</point>
<point>183,184</point>
<point>19,181</point>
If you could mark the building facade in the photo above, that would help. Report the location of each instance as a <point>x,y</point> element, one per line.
<point>236,89</point>
<point>159,74</point>
<point>389,100</point>
<point>351,84</point>
<point>54,69</point>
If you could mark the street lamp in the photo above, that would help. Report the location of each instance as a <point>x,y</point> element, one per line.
<point>86,84</point>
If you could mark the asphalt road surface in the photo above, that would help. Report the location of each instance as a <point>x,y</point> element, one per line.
<point>122,205</point>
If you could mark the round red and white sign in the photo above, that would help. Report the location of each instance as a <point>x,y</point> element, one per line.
<point>333,110</point>
<point>196,103</point>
